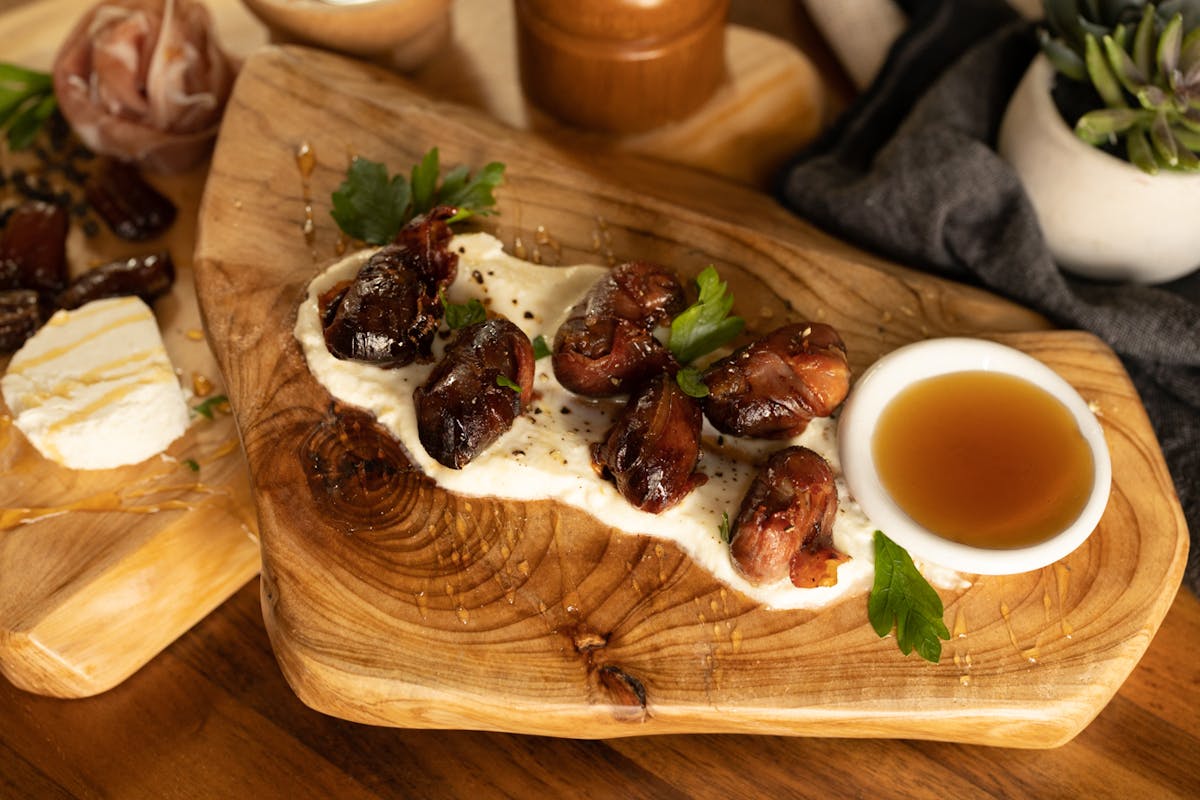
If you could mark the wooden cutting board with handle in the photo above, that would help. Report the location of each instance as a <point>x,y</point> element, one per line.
<point>391,602</point>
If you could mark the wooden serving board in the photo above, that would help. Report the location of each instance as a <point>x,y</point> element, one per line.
<point>100,570</point>
<point>442,611</point>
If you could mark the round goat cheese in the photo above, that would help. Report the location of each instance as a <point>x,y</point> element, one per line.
<point>94,388</point>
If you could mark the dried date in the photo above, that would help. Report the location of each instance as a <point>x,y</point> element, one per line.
<point>774,386</point>
<point>131,207</point>
<point>33,248</point>
<point>652,450</point>
<point>607,345</point>
<point>785,525</point>
<point>149,277</point>
<point>388,313</point>
<point>20,316</point>
<point>468,400</point>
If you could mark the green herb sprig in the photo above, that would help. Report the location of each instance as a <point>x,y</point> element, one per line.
<point>26,102</point>
<point>372,206</point>
<point>703,327</point>
<point>508,383</point>
<point>460,315</point>
<point>210,405</point>
<point>901,597</point>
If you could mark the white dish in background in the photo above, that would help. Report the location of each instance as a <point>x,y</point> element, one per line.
<point>901,368</point>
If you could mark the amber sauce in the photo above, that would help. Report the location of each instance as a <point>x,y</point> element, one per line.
<point>983,458</point>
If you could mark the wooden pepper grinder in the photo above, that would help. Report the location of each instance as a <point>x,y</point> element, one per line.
<point>620,66</point>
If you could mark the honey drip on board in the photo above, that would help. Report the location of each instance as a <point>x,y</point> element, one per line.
<point>1062,577</point>
<point>306,162</point>
<point>1031,654</point>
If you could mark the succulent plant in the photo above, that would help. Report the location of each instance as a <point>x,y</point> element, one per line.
<point>1144,63</point>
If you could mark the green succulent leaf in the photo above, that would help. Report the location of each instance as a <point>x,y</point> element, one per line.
<point>1139,152</point>
<point>1103,125</point>
<point>1170,46</point>
<point>1143,42</point>
<point>1123,66</point>
<point>1102,76</point>
<point>1165,145</point>
<point>1189,57</point>
<point>1187,137</point>
<point>1065,60</point>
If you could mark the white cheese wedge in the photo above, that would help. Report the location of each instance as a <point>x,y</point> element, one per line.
<point>94,388</point>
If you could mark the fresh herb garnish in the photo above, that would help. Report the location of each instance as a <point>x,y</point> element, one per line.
<point>371,206</point>
<point>692,382</point>
<point>706,324</point>
<point>460,315</point>
<point>540,348</point>
<point>902,597</point>
<point>724,529</point>
<point>26,102</point>
<point>191,464</point>
<point>701,328</point>
<point>207,408</point>
<point>508,383</point>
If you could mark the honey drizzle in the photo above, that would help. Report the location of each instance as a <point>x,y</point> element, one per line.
<point>306,162</point>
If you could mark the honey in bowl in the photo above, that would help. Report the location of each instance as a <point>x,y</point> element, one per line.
<point>983,458</point>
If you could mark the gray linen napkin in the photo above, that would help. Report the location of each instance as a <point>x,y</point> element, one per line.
<point>910,172</point>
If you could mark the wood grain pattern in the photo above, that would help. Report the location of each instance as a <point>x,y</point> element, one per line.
<point>100,570</point>
<point>475,613</point>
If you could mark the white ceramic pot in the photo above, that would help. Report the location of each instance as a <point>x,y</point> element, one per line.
<point>1102,217</point>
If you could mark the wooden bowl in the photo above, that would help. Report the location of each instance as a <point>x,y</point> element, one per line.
<point>401,34</point>
<point>621,66</point>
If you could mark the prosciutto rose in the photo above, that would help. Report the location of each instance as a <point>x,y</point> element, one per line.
<point>145,81</point>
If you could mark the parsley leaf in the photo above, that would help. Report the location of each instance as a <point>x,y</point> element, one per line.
<point>460,315</point>
<point>692,382</point>
<point>371,206</point>
<point>902,597</point>
<point>540,348</point>
<point>508,383</point>
<point>213,403</point>
<point>191,464</point>
<point>705,325</point>
<point>368,205</point>
<point>26,102</point>
<point>724,529</point>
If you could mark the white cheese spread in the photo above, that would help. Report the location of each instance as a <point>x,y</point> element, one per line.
<point>545,454</point>
<point>94,389</point>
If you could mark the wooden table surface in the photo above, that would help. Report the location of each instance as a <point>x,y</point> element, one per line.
<point>212,717</point>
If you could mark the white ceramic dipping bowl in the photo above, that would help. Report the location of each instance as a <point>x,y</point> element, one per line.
<point>880,384</point>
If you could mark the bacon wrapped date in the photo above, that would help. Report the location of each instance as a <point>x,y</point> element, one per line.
<point>785,524</point>
<point>774,386</point>
<point>607,345</point>
<point>33,248</point>
<point>461,407</point>
<point>149,277</point>
<point>388,314</point>
<point>652,450</point>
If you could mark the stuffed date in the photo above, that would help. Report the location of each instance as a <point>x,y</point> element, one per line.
<point>388,313</point>
<point>774,386</point>
<point>607,345</point>
<point>475,392</point>
<point>785,525</point>
<point>652,450</point>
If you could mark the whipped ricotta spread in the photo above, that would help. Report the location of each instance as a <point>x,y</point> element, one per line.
<point>94,388</point>
<point>545,455</point>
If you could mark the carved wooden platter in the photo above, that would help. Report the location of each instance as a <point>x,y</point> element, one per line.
<point>444,611</point>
